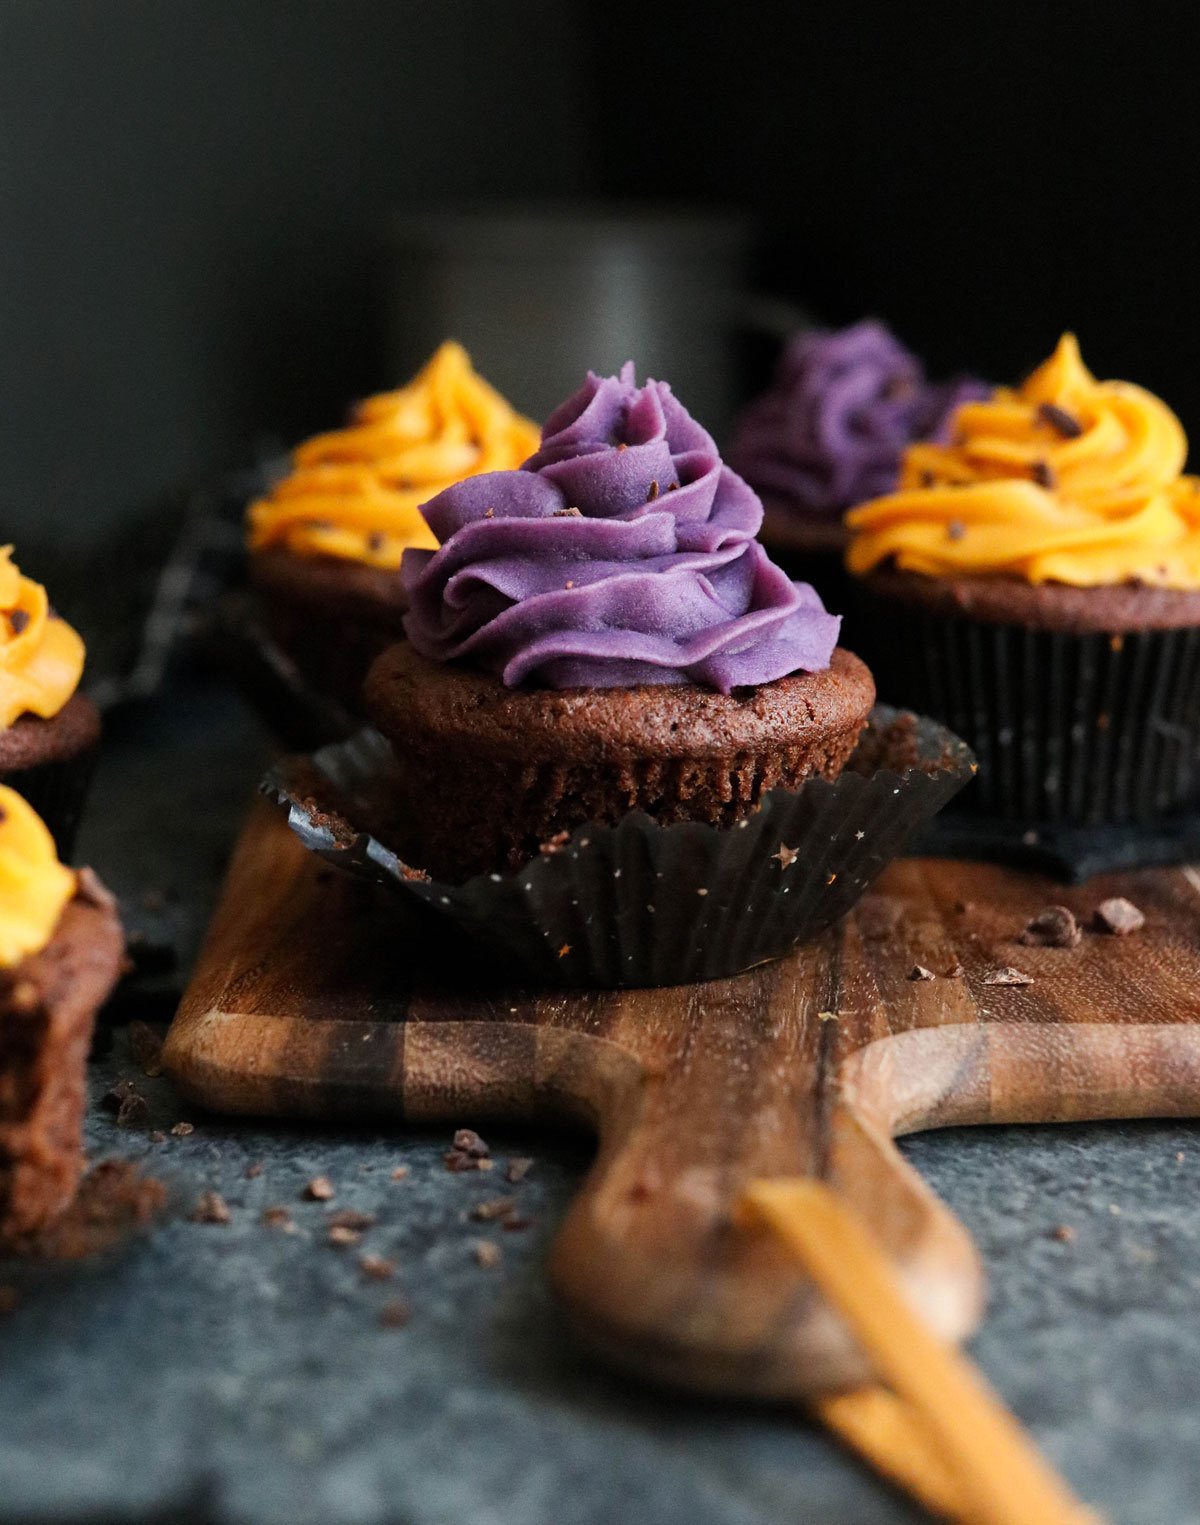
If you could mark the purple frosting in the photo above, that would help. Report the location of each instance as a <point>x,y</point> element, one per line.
<point>830,431</point>
<point>623,552</point>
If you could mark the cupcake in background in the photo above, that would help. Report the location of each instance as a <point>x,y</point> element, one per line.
<point>832,428</point>
<point>61,949</point>
<point>326,542</point>
<point>49,731</point>
<point>1036,584</point>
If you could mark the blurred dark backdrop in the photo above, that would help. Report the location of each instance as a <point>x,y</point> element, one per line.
<point>191,193</point>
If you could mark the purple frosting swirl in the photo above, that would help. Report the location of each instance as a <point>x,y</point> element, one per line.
<point>622,553</point>
<point>832,427</point>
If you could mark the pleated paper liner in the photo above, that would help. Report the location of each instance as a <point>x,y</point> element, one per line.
<point>641,904</point>
<point>1070,730</point>
<point>58,792</point>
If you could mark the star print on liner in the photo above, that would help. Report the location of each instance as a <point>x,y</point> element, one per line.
<point>786,855</point>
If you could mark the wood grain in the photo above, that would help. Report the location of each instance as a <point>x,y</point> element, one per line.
<point>314,997</point>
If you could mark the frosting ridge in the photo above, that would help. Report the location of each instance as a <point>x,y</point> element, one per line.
<point>843,405</point>
<point>355,493</point>
<point>34,885</point>
<point>41,656</point>
<point>1063,479</point>
<point>621,553</point>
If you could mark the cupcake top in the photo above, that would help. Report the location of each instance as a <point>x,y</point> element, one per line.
<point>355,494</point>
<point>831,429</point>
<point>1064,479</point>
<point>34,885</point>
<point>41,656</point>
<point>622,553</point>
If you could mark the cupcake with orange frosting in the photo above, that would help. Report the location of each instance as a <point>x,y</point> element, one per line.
<point>48,729</point>
<point>326,543</point>
<point>60,954</point>
<point>1035,582</point>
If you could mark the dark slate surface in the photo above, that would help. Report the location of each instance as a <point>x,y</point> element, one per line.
<point>237,1374</point>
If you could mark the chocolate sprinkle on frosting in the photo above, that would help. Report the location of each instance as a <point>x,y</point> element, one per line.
<point>1060,420</point>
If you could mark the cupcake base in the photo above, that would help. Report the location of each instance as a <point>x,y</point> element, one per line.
<point>1082,705</point>
<point>494,772</point>
<point>50,763</point>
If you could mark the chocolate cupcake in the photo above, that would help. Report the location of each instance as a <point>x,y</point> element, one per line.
<point>831,430</point>
<point>326,543</point>
<point>601,633</point>
<point>60,954</point>
<point>48,731</point>
<point>1036,584</point>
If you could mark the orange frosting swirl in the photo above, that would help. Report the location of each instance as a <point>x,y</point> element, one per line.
<point>1064,479</point>
<point>356,493</point>
<point>41,656</point>
<point>34,885</point>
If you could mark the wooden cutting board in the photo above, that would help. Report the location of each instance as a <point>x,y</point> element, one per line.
<point>314,998</point>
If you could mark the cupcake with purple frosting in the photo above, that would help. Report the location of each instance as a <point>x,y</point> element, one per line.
<point>831,430</point>
<point>600,632</point>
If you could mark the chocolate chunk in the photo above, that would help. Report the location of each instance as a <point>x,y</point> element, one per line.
<point>1043,474</point>
<point>211,1208</point>
<point>1118,917</point>
<point>1060,420</point>
<point>134,1111</point>
<point>467,1141</point>
<point>1007,976</point>
<point>517,1169</point>
<point>1055,927</point>
<point>145,1044</point>
<point>319,1189</point>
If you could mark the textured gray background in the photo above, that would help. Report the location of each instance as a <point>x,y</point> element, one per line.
<point>236,1374</point>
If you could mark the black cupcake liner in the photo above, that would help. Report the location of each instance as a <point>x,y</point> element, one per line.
<point>641,904</point>
<point>58,792</point>
<point>1072,730</point>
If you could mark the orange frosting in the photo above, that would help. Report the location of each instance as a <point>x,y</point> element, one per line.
<point>1064,479</point>
<point>356,493</point>
<point>34,885</point>
<point>41,657</point>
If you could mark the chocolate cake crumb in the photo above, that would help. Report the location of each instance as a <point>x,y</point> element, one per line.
<point>319,1189</point>
<point>145,1044</point>
<point>117,1094</point>
<point>1063,1232</point>
<point>1118,917</point>
<point>1054,927</point>
<point>492,1208</point>
<point>1007,976</point>
<point>394,1314</point>
<point>487,1254</point>
<point>377,1267</point>
<point>210,1208</point>
<point>1059,420</point>
<point>919,972</point>
<point>134,1111</point>
<point>469,1142</point>
<point>278,1217</point>
<point>183,1130</point>
<point>351,1218</point>
<point>517,1169</point>
<point>254,1171</point>
<point>340,1236</point>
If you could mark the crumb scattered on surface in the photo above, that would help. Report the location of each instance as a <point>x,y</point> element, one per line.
<point>468,1152</point>
<point>255,1170</point>
<point>400,1173</point>
<point>517,1169</point>
<point>319,1189</point>
<point>183,1130</point>
<point>1053,927</point>
<point>487,1254</point>
<point>919,972</point>
<point>1008,976</point>
<point>395,1313</point>
<point>280,1218</point>
<point>493,1208</point>
<point>210,1208</point>
<point>377,1267</point>
<point>342,1237</point>
<point>352,1218</point>
<point>134,1111</point>
<point>158,1136</point>
<point>1063,1232</point>
<point>1118,917</point>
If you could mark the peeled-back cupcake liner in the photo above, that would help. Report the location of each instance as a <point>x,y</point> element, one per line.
<point>58,792</point>
<point>1081,730</point>
<point>638,903</point>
